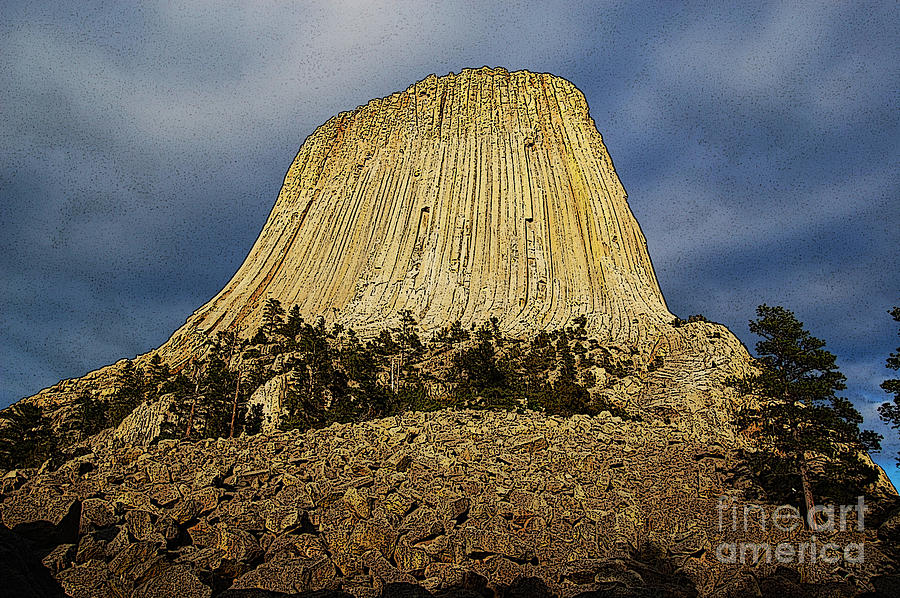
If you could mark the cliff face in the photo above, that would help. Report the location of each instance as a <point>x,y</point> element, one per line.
<point>465,197</point>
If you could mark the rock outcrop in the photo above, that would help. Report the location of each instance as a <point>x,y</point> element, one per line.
<point>482,195</point>
<point>465,197</point>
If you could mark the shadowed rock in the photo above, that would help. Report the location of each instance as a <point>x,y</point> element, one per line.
<point>21,572</point>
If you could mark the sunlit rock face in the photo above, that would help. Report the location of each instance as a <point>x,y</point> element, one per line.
<point>482,195</point>
<point>479,195</point>
<point>465,197</point>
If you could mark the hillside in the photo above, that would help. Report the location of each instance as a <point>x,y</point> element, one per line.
<point>445,362</point>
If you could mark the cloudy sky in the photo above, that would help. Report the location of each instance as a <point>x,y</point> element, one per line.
<point>141,150</point>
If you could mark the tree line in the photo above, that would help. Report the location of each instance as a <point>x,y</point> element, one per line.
<point>810,433</point>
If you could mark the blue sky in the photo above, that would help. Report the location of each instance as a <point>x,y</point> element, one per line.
<point>141,149</point>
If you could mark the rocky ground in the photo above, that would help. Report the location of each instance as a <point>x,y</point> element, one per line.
<point>454,502</point>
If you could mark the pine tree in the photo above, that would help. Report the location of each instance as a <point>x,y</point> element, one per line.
<point>89,414</point>
<point>890,412</point>
<point>535,365</point>
<point>364,397</point>
<point>195,398</point>
<point>568,396</point>
<point>385,345</point>
<point>157,372</point>
<point>408,340</point>
<point>130,389</point>
<point>26,437</point>
<point>477,372</point>
<point>254,420</point>
<point>213,415</point>
<point>294,322</point>
<point>182,390</point>
<point>273,317</point>
<point>799,416</point>
<point>312,380</point>
<point>457,333</point>
<point>579,326</point>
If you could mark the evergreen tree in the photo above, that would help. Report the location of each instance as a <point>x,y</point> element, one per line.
<point>89,414</point>
<point>457,333</point>
<point>182,390</point>
<point>536,364</point>
<point>130,389</point>
<point>579,326</point>
<point>213,416</point>
<point>203,407</point>
<point>799,416</point>
<point>259,338</point>
<point>450,335</point>
<point>254,420</point>
<point>193,407</point>
<point>313,382</point>
<point>477,373</point>
<point>362,397</point>
<point>568,396</point>
<point>294,322</point>
<point>26,437</point>
<point>157,372</point>
<point>890,412</point>
<point>496,334</point>
<point>385,345</point>
<point>410,346</point>
<point>273,317</point>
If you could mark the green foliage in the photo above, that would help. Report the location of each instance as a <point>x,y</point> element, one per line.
<point>157,372</point>
<point>259,338</point>
<point>330,375</point>
<point>451,335</point>
<point>213,413</point>
<point>457,334</point>
<point>568,396</point>
<point>181,389</point>
<point>410,346</point>
<point>294,322</point>
<point>272,317</point>
<point>414,397</point>
<point>89,414</point>
<point>207,404</point>
<point>476,371</point>
<point>314,381</point>
<point>253,421</point>
<point>131,386</point>
<point>26,437</point>
<point>385,345</point>
<point>800,416</point>
<point>890,411</point>
<point>580,325</point>
<point>678,322</point>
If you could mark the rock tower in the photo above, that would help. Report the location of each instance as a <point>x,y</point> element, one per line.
<point>482,194</point>
<point>486,194</point>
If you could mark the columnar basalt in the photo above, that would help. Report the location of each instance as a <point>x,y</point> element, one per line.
<point>479,195</point>
<point>486,194</point>
<point>465,197</point>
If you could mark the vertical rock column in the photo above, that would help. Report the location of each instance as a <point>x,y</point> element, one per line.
<point>465,197</point>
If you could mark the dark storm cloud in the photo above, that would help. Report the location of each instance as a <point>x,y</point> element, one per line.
<point>142,148</point>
